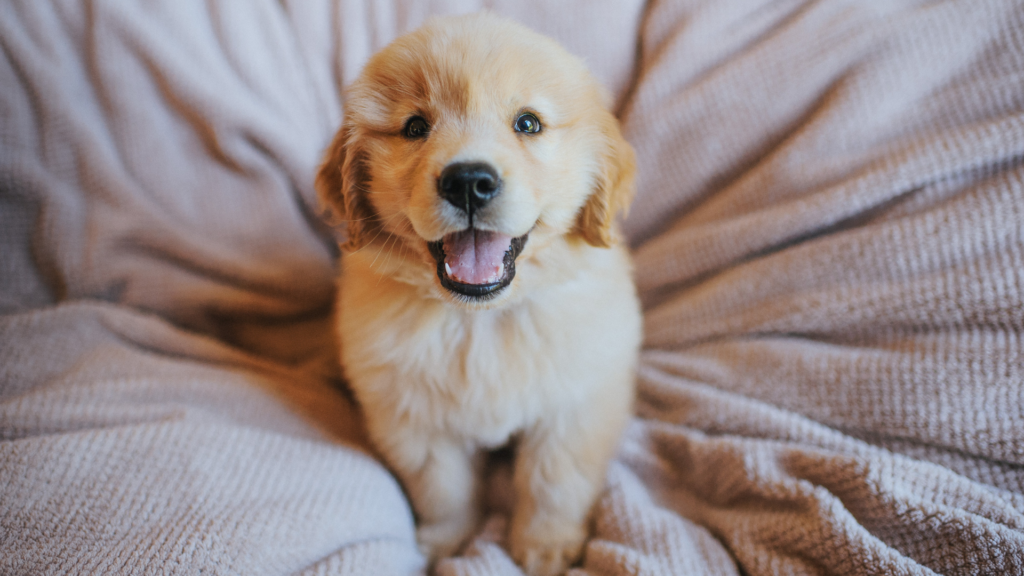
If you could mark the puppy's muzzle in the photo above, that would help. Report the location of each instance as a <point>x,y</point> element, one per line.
<point>474,263</point>
<point>469,186</point>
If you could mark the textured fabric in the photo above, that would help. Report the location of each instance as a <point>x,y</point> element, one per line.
<point>828,239</point>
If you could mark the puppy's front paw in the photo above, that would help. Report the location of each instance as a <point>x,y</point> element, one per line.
<point>550,553</point>
<point>442,539</point>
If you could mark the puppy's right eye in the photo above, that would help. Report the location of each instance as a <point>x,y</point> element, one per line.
<point>416,127</point>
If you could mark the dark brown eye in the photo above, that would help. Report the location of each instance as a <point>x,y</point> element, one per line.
<point>416,127</point>
<point>527,123</point>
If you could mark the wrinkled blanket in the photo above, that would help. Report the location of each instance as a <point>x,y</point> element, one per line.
<point>829,246</point>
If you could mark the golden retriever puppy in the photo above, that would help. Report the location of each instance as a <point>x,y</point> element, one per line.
<point>485,296</point>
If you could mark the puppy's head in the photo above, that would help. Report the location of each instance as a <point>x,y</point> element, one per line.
<point>468,141</point>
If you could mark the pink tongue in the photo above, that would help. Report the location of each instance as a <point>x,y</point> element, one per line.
<point>475,256</point>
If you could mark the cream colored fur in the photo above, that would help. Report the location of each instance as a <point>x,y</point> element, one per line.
<point>548,362</point>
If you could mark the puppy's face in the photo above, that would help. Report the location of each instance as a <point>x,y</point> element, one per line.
<point>467,146</point>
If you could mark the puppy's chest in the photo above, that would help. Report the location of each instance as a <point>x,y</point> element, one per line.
<point>482,375</point>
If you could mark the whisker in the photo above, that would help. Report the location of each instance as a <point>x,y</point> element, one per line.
<point>381,249</point>
<point>380,231</point>
<point>387,259</point>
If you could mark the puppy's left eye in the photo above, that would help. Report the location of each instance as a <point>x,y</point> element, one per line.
<point>527,123</point>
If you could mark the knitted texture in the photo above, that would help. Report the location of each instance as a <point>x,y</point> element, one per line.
<point>829,245</point>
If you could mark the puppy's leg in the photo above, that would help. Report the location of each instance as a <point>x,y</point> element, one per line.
<point>560,469</point>
<point>442,479</point>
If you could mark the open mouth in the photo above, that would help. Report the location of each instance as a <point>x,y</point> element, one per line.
<point>476,263</point>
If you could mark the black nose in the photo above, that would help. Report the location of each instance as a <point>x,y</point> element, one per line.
<point>469,185</point>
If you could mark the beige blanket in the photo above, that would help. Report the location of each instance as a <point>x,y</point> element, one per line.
<point>829,243</point>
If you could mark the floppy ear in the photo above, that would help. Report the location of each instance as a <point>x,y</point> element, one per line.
<point>613,187</point>
<point>341,186</point>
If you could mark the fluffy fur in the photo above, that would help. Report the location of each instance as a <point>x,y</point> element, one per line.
<point>548,360</point>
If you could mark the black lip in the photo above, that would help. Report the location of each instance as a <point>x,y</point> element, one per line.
<point>478,291</point>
